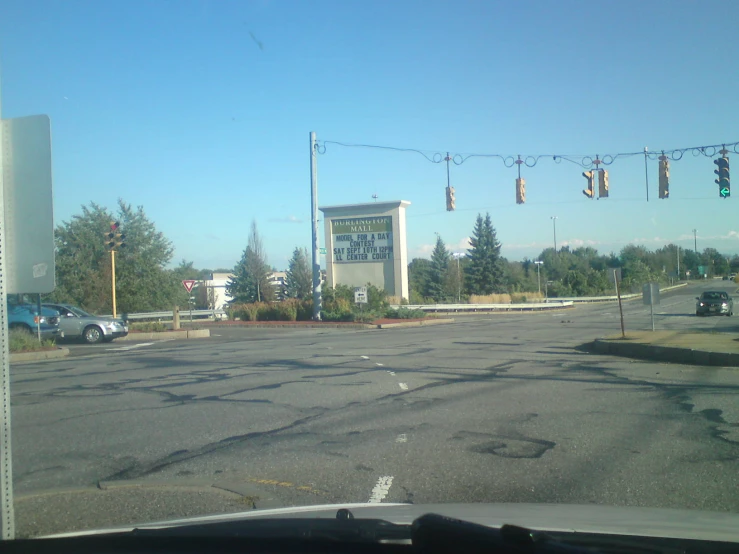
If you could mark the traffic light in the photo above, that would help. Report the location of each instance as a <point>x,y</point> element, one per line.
<point>590,191</point>
<point>602,183</point>
<point>724,186</point>
<point>520,191</point>
<point>664,177</point>
<point>450,199</point>
<point>114,239</point>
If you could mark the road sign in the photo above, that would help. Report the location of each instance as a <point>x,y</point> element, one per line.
<point>28,205</point>
<point>360,295</point>
<point>613,274</point>
<point>188,284</point>
<point>323,251</point>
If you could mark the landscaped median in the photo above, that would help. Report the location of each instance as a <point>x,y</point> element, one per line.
<point>710,348</point>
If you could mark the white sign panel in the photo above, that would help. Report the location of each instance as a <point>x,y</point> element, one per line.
<point>27,198</point>
<point>360,295</point>
<point>362,239</point>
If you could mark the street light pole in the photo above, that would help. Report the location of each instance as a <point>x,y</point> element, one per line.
<point>538,275</point>
<point>695,241</point>
<point>554,228</point>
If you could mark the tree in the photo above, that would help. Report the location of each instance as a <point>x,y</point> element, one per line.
<point>418,279</point>
<point>440,258</point>
<point>250,281</point>
<point>484,272</point>
<point>83,268</point>
<point>299,277</point>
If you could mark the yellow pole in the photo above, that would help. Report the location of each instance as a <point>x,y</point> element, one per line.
<point>112,273</point>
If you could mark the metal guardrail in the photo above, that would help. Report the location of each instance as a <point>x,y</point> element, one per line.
<point>486,307</point>
<point>168,315</point>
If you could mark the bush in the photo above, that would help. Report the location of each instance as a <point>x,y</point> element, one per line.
<point>305,310</point>
<point>23,341</point>
<point>404,313</point>
<point>490,299</point>
<point>148,326</point>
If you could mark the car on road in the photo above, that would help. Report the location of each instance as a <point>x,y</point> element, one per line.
<point>76,323</point>
<point>25,317</point>
<point>713,302</point>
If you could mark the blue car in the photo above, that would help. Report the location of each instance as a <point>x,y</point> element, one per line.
<point>25,317</point>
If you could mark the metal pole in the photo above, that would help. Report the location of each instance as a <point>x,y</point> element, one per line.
<point>538,277</point>
<point>646,172</point>
<point>38,320</point>
<point>620,306</point>
<point>695,241</point>
<point>651,311</point>
<point>112,277</point>
<point>554,226</point>
<point>314,220</point>
<point>678,262</point>
<point>7,515</point>
<point>459,283</point>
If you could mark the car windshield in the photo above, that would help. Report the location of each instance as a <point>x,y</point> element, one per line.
<point>391,252</point>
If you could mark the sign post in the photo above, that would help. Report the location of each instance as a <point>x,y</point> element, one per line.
<point>650,296</point>
<point>189,284</point>
<point>620,306</point>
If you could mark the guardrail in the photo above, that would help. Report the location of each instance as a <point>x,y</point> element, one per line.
<point>168,315</point>
<point>487,307</point>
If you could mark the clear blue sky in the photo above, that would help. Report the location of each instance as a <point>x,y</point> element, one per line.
<point>174,105</point>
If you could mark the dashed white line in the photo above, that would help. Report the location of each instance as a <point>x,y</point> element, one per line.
<point>365,357</point>
<point>403,386</point>
<point>379,365</point>
<point>391,372</point>
<point>381,489</point>
<point>401,438</point>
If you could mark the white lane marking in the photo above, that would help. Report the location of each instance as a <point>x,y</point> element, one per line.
<point>401,438</point>
<point>391,372</point>
<point>403,386</point>
<point>381,489</point>
<point>216,335</point>
<point>379,365</point>
<point>365,357</point>
<point>124,348</point>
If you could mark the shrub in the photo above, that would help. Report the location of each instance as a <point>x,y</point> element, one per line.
<point>404,313</point>
<point>148,326</point>
<point>305,310</point>
<point>21,340</point>
<point>490,299</point>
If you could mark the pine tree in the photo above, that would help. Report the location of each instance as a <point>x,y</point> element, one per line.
<point>484,272</point>
<point>299,282</point>
<point>250,281</point>
<point>438,272</point>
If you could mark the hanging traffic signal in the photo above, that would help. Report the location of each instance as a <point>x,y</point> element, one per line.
<point>520,191</point>
<point>114,240</point>
<point>450,200</point>
<point>664,177</point>
<point>602,184</point>
<point>724,186</point>
<point>590,191</point>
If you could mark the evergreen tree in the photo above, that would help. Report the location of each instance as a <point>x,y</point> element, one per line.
<point>299,277</point>
<point>438,271</point>
<point>484,271</point>
<point>251,276</point>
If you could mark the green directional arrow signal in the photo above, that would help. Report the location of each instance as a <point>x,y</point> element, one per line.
<point>725,192</point>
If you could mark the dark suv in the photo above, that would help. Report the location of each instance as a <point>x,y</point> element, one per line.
<point>714,303</point>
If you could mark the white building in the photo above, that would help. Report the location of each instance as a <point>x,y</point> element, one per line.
<point>216,286</point>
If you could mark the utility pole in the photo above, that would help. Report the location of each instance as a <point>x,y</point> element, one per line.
<point>314,221</point>
<point>646,171</point>
<point>678,262</point>
<point>554,227</point>
<point>538,275</point>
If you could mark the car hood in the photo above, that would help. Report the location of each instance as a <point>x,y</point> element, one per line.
<point>616,520</point>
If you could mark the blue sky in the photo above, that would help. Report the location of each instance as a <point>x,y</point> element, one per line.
<point>173,105</point>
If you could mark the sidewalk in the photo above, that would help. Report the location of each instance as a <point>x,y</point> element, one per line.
<point>713,349</point>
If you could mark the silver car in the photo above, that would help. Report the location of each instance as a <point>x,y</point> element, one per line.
<point>77,323</point>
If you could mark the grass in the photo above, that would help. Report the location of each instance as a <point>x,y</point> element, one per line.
<point>23,341</point>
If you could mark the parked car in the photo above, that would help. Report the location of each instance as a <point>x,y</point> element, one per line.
<point>25,317</point>
<point>714,302</point>
<point>77,323</point>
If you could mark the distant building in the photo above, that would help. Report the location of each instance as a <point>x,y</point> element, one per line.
<point>216,287</point>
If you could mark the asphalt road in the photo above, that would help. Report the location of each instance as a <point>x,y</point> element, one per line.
<point>498,408</point>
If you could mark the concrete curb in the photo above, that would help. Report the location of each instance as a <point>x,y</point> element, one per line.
<point>415,323</point>
<point>673,354</point>
<point>38,356</point>
<point>166,335</point>
<point>278,325</point>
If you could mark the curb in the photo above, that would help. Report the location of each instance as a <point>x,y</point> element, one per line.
<point>39,356</point>
<point>672,354</point>
<point>293,326</point>
<point>415,323</point>
<point>167,335</point>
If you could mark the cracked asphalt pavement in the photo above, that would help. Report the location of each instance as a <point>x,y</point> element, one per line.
<point>500,408</point>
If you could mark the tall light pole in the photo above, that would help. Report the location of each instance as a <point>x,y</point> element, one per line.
<point>695,241</point>
<point>459,277</point>
<point>538,275</point>
<point>554,228</point>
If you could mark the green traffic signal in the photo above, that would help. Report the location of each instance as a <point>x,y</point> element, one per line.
<point>723,181</point>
